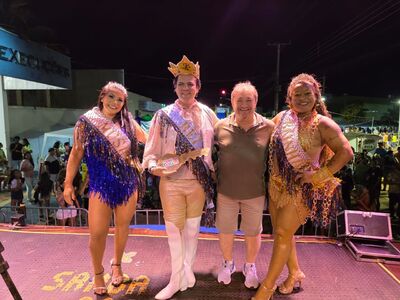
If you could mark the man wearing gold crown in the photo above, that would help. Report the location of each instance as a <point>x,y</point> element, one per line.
<point>182,127</point>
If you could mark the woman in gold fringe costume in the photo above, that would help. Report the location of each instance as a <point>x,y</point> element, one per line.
<point>307,147</point>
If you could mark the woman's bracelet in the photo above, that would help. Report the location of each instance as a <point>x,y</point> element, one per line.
<point>321,176</point>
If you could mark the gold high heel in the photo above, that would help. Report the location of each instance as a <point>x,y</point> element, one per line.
<point>268,293</point>
<point>289,284</point>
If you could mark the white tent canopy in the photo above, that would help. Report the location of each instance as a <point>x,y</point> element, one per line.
<point>66,135</point>
<point>49,138</point>
<point>362,141</point>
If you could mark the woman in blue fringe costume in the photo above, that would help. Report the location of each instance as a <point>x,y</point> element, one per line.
<point>107,138</point>
<point>307,147</point>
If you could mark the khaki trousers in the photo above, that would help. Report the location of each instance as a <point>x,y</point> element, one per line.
<point>181,199</point>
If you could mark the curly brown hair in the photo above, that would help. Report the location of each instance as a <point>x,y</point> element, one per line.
<point>310,81</point>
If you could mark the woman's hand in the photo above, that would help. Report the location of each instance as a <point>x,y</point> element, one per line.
<point>305,177</point>
<point>69,193</point>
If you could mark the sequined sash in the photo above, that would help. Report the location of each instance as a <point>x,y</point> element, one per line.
<point>184,126</point>
<point>289,133</point>
<point>110,131</point>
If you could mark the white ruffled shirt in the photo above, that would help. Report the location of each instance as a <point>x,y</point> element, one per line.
<point>157,146</point>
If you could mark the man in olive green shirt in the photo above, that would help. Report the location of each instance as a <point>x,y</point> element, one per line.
<point>242,139</point>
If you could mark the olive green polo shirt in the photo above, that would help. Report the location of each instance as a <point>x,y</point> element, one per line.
<point>242,157</point>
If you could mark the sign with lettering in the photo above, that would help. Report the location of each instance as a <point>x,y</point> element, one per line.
<point>33,62</point>
<point>70,282</point>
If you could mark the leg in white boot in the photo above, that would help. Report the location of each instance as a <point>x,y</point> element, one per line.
<point>190,236</point>
<point>176,247</point>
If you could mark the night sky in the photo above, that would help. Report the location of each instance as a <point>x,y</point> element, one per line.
<point>354,44</point>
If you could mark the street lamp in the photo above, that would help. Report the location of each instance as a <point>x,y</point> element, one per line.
<point>373,118</point>
<point>398,125</point>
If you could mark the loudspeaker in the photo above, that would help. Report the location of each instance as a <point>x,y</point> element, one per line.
<point>373,250</point>
<point>367,235</point>
<point>365,225</point>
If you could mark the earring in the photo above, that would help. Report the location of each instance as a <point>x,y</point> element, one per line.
<point>122,119</point>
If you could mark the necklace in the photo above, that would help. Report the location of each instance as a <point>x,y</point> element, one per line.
<point>307,127</point>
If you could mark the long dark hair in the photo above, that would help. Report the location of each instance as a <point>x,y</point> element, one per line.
<point>44,177</point>
<point>30,158</point>
<point>123,116</point>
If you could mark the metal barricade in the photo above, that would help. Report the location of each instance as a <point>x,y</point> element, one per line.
<point>148,217</point>
<point>154,217</point>
<point>78,217</point>
<point>69,216</point>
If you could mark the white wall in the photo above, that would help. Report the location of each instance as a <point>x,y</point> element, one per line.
<point>32,123</point>
<point>25,120</point>
<point>4,125</point>
<point>86,85</point>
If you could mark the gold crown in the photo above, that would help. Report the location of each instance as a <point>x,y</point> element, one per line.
<point>185,67</point>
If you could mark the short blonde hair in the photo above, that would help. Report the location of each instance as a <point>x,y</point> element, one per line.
<point>244,86</point>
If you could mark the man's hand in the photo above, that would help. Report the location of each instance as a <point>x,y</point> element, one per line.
<point>157,171</point>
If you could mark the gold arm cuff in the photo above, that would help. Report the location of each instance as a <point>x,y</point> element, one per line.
<point>322,175</point>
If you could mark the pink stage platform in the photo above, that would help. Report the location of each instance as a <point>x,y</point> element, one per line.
<point>53,263</point>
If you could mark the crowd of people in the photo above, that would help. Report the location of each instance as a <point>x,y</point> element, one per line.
<point>192,161</point>
<point>29,186</point>
<point>368,175</point>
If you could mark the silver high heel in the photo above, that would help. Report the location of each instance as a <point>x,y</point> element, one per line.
<point>99,290</point>
<point>117,280</point>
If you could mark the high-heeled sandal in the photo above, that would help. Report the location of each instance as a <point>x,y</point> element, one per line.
<point>117,280</point>
<point>269,292</point>
<point>102,289</point>
<point>289,285</point>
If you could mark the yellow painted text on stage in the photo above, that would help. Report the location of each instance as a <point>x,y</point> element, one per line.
<point>69,281</point>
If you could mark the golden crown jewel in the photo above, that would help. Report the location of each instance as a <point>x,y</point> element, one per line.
<point>185,67</point>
